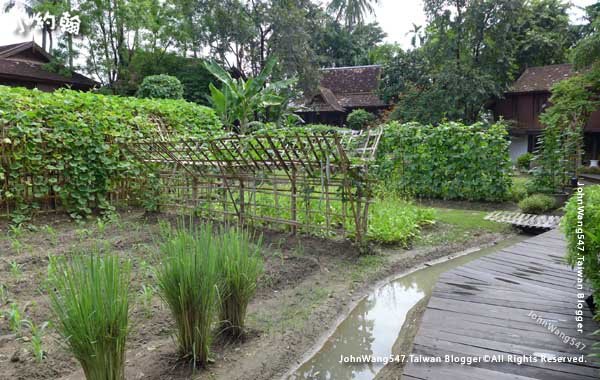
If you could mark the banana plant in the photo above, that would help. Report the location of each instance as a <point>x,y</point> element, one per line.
<point>241,102</point>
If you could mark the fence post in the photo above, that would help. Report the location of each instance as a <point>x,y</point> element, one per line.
<point>293,201</point>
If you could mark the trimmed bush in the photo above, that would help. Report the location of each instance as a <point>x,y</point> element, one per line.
<point>581,224</point>
<point>187,282</point>
<point>160,87</point>
<point>91,304</point>
<point>66,145</point>
<point>360,119</point>
<point>240,265</point>
<point>524,161</point>
<point>450,161</point>
<point>537,204</point>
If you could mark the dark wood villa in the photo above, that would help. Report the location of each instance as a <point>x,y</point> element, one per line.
<point>526,100</point>
<point>342,90</point>
<point>22,65</point>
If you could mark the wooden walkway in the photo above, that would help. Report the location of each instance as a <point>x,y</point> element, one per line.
<point>545,222</point>
<point>484,308</point>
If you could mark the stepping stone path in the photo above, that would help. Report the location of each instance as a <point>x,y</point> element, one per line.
<point>525,220</point>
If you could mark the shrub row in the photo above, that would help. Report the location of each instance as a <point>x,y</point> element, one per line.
<point>450,161</point>
<point>65,145</point>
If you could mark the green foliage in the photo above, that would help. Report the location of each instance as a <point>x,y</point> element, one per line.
<point>240,265</point>
<point>36,341</point>
<point>450,161</point>
<point>581,224</point>
<point>338,46</point>
<point>537,204</point>
<point>524,161</point>
<point>91,303</point>
<point>240,101</point>
<point>518,190</point>
<point>190,71</point>
<point>587,50</point>
<point>559,155</point>
<point>470,52</point>
<point>160,87</point>
<point>393,220</point>
<point>589,170</point>
<point>360,119</point>
<point>187,282</point>
<point>15,319</point>
<point>68,143</point>
<point>352,11</point>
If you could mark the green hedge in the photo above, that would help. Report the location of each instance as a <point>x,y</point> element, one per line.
<point>66,144</point>
<point>581,225</point>
<point>450,161</point>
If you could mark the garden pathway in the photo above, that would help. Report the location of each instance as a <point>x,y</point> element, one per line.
<point>490,307</point>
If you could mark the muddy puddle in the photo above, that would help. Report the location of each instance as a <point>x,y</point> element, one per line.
<point>375,324</point>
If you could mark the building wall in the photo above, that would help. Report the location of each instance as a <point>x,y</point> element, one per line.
<point>518,146</point>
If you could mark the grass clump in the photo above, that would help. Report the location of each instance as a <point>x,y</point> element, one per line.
<point>187,279</point>
<point>240,265</point>
<point>537,204</point>
<point>91,303</point>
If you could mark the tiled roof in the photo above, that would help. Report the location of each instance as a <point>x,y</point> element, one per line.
<point>35,72</point>
<point>12,66</point>
<point>347,87</point>
<point>541,78</point>
<point>353,79</point>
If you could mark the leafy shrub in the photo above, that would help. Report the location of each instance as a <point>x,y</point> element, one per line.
<point>160,87</point>
<point>524,161</point>
<point>537,204</point>
<point>187,280</point>
<point>581,225</point>
<point>393,220</point>
<point>190,72</point>
<point>588,170</point>
<point>67,144</point>
<point>450,161</point>
<point>240,265</point>
<point>91,302</point>
<point>518,190</point>
<point>360,119</point>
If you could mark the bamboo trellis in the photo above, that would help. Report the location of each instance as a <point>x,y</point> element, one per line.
<point>314,182</point>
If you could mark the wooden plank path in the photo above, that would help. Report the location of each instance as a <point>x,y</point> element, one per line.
<point>485,308</point>
<point>518,219</point>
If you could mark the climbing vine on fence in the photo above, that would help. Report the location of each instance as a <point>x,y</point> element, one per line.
<point>449,161</point>
<point>63,148</point>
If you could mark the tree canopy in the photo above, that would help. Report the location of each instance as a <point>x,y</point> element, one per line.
<point>470,51</point>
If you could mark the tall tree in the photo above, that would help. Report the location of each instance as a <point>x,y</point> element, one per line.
<point>472,50</point>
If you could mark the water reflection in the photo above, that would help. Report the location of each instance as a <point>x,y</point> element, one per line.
<point>373,326</point>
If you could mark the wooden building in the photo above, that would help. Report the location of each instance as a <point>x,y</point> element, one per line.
<point>22,65</point>
<point>527,98</point>
<point>342,90</point>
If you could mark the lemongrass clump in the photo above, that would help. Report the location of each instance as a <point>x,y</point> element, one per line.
<point>240,265</point>
<point>90,299</point>
<point>187,279</point>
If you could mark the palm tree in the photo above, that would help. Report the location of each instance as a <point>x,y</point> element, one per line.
<point>352,11</point>
<point>416,34</point>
